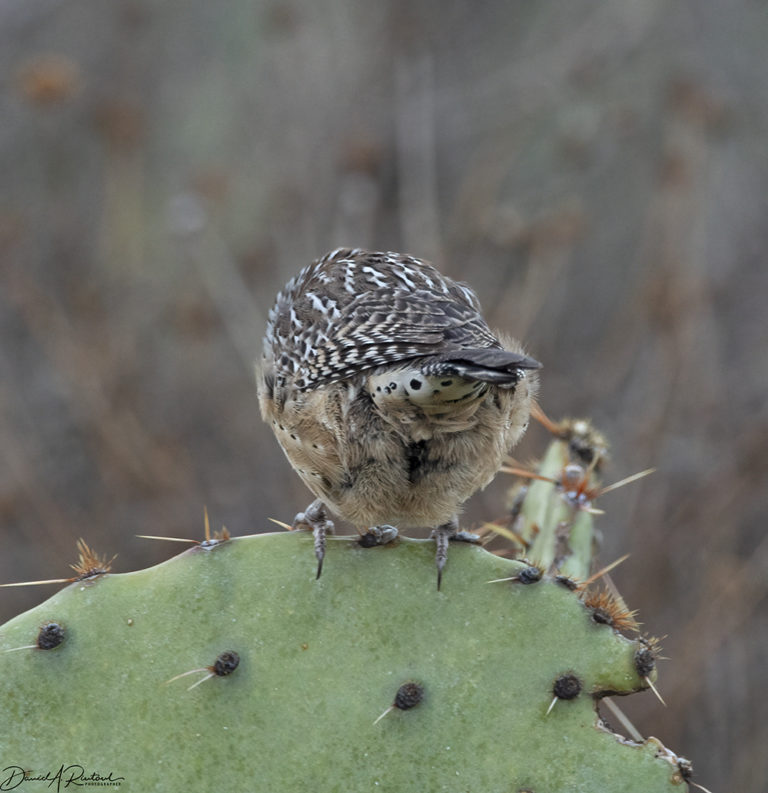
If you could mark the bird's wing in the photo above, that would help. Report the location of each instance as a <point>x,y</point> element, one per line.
<point>387,327</point>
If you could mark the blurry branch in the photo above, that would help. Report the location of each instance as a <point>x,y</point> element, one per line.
<point>203,247</point>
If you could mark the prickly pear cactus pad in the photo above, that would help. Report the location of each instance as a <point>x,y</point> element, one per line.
<point>291,673</point>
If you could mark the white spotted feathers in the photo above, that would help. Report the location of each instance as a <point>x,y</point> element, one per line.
<point>392,318</point>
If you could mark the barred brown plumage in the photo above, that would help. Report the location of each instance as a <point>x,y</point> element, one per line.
<point>389,394</point>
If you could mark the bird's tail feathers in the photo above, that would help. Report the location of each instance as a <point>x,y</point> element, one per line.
<point>488,365</point>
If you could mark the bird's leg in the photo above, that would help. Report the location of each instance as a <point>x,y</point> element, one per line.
<point>378,535</point>
<point>442,535</point>
<point>315,519</point>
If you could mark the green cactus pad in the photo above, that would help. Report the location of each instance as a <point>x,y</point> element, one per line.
<point>319,661</point>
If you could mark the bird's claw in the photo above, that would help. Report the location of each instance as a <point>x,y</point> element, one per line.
<point>465,536</point>
<point>378,535</point>
<point>442,535</point>
<point>315,519</point>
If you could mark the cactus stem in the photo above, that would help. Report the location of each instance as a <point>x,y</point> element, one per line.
<point>575,482</point>
<point>534,638</point>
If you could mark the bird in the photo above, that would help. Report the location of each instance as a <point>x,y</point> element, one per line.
<point>389,395</point>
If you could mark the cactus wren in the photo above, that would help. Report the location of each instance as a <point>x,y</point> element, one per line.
<point>389,394</point>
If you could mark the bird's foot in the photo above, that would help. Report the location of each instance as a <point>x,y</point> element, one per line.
<point>465,536</point>
<point>315,519</point>
<point>442,535</point>
<point>378,535</point>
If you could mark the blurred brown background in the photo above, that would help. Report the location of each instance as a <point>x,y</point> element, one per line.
<point>597,171</point>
